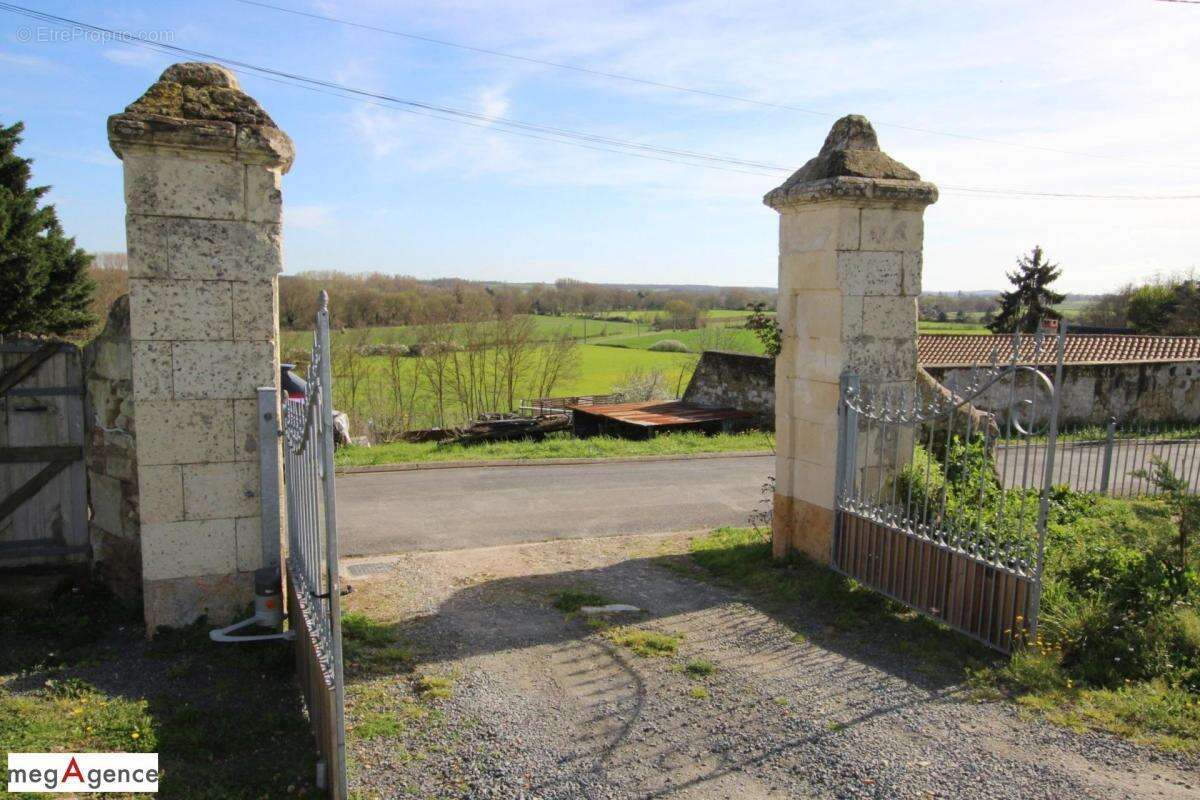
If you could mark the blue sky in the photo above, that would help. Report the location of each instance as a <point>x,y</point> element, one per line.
<point>374,189</point>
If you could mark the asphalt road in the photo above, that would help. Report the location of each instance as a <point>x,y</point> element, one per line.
<point>448,509</point>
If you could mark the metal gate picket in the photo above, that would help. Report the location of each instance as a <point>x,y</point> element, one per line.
<point>313,587</point>
<point>973,563</point>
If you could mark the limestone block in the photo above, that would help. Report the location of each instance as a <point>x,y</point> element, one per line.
<point>819,228</point>
<point>808,271</point>
<point>853,316</point>
<point>814,483</point>
<point>912,274</point>
<point>152,371</point>
<point>222,369</point>
<point>190,547</point>
<point>892,229</point>
<point>815,401</point>
<point>184,431</point>
<point>816,315</point>
<point>808,528</point>
<point>107,498</point>
<point>815,359</point>
<point>815,442</point>
<point>146,245</point>
<point>245,430</point>
<point>249,543</point>
<point>203,249</point>
<point>870,273</point>
<point>890,317</point>
<point>882,359</point>
<point>160,489</point>
<point>183,184</point>
<point>112,359</point>
<point>180,310</point>
<point>264,194</point>
<point>785,467</point>
<point>174,602</point>
<point>212,491</point>
<point>255,311</point>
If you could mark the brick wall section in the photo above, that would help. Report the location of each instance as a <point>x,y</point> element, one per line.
<point>850,243</point>
<point>111,456</point>
<point>202,168</point>
<point>735,380</point>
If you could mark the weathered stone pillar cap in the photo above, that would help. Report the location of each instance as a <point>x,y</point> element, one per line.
<point>201,106</point>
<point>851,165</point>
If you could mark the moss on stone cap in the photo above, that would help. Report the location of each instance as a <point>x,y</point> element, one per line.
<point>850,164</point>
<point>201,106</point>
<point>196,90</point>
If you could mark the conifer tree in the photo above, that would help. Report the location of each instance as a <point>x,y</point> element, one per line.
<point>44,283</point>
<point>1031,300</point>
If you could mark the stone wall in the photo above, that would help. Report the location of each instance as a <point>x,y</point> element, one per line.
<point>735,380</point>
<point>1093,393</point>
<point>111,455</point>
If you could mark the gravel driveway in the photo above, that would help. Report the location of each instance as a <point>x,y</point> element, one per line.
<point>544,706</point>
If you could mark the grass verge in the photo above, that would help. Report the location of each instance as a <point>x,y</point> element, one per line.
<point>555,446</point>
<point>226,720</point>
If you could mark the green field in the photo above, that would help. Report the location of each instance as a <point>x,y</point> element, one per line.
<point>738,340</point>
<point>600,369</point>
<point>969,328</point>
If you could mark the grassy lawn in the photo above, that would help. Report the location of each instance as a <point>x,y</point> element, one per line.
<point>555,446</point>
<point>1071,681</point>
<point>226,720</point>
<point>970,328</point>
<point>738,340</point>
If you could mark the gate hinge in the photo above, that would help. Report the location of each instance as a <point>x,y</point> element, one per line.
<point>325,595</point>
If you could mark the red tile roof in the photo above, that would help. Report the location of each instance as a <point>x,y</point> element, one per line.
<point>955,350</point>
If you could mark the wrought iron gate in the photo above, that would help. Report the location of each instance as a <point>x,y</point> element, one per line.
<point>923,515</point>
<point>314,591</point>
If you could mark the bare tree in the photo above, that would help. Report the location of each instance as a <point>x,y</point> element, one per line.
<point>555,361</point>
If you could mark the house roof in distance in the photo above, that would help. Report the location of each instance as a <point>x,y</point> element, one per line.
<point>960,350</point>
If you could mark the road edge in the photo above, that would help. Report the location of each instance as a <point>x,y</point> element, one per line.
<point>414,466</point>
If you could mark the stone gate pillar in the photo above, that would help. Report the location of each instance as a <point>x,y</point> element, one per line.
<point>202,165</point>
<point>850,237</point>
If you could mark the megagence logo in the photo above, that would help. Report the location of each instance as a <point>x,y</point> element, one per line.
<point>82,772</point>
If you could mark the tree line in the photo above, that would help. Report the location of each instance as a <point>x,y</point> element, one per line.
<point>1167,305</point>
<point>376,300</point>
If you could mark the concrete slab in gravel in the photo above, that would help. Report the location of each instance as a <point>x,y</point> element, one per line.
<point>544,706</point>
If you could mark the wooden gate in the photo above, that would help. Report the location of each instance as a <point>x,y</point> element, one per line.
<point>43,482</point>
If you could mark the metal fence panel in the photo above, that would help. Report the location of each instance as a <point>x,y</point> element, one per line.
<point>314,590</point>
<point>969,556</point>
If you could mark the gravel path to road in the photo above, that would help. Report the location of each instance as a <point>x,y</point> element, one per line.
<point>543,706</point>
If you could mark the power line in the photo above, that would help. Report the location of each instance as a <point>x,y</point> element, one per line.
<point>515,127</point>
<point>678,87</point>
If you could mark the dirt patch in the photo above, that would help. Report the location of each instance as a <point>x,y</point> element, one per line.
<point>549,704</point>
